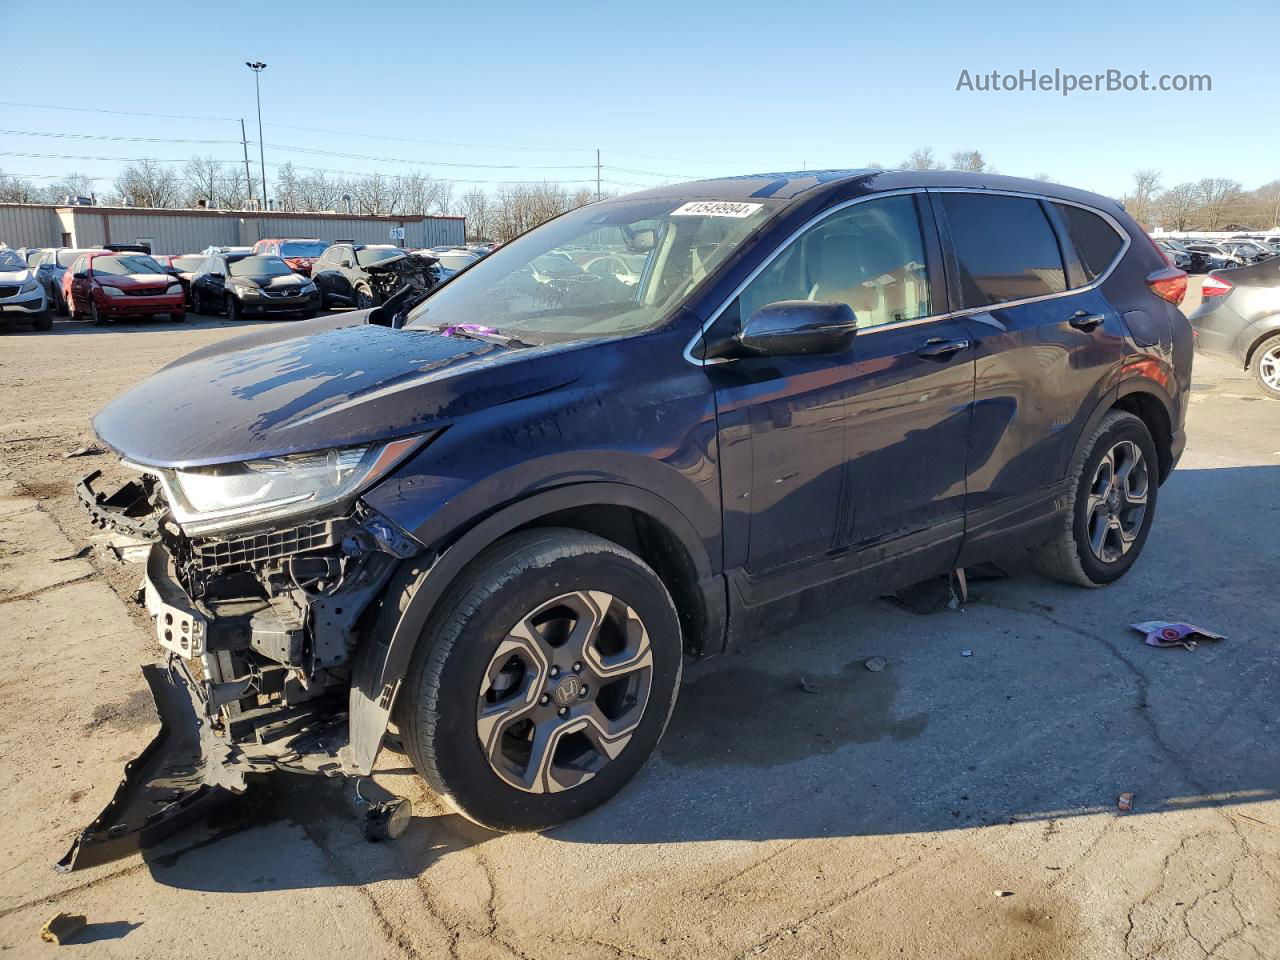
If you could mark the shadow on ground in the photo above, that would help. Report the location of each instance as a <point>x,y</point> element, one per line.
<point>1058,709</point>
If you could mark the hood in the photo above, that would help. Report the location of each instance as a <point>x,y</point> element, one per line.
<point>273,280</point>
<point>133,279</point>
<point>14,276</point>
<point>315,385</point>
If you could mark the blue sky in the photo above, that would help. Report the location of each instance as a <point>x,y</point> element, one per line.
<point>666,90</point>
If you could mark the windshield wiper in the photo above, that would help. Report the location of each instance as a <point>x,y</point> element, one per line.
<point>477,331</point>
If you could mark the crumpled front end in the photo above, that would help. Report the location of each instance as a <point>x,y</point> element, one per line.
<point>261,626</point>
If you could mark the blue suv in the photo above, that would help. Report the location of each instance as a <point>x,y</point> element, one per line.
<point>500,518</point>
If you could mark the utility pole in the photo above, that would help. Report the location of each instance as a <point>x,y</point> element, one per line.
<point>248,178</point>
<point>597,174</point>
<point>257,66</point>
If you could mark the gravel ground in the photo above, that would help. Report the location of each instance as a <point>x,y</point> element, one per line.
<point>885,814</point>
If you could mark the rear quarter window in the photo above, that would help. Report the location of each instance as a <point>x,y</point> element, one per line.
<point>1096,241</point>
<point>1004,248</point>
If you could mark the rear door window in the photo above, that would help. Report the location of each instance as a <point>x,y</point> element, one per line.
<point>1005,248</point>
<point>1096,241</point>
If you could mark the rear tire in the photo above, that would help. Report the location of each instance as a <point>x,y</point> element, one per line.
<point>1265,366</point>
<point>1101,533</point>
<point>471,713</point>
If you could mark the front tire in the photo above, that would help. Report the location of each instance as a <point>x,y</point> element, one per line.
<point>364,298</point>
<point>1265,366</point>
<point>43,321</point>
<point>1112,501</point>
<point>98,319</point>
<point>233,309</point>
<point>543,680</point>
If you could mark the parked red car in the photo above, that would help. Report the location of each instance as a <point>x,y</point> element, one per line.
<point>103,286</point>
<point>299,254</point>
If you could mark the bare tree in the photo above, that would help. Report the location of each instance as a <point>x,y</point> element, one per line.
<point>287,189</point>
<point>921,158</point>
<point>72,185</point>
<point>1141,202</point>
<point>478,210</point>
<point>1177,206</point>
<point>970,161</point>
<point>1215,196</point>
<point>147,183</point>
<point>18,190</point>
<point>202,178</point>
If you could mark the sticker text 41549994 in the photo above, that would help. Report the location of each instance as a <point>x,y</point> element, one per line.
<point>716,208</point>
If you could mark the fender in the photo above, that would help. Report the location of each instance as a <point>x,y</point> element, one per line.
<point>417,586</point>
<point>1140,383</point>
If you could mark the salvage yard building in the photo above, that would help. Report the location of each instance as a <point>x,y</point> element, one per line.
<point>190,231</point>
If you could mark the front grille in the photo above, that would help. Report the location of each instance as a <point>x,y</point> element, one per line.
<point>263,547</point>
<point>9,291</point>
<point>291,292</point>
<point>152,292</point>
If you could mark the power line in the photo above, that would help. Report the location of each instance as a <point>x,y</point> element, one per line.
<point>103,136</point>
<point>315,151</point>
<point>119,113</point>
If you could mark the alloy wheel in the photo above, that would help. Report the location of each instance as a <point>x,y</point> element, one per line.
<point>1269,367</point>
<point>364,299</point>
<point>564,691</point>
<point>1117,501</point>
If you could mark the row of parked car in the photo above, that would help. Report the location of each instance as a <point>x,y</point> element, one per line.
<point>1201,256</point>
<point>299,277</point>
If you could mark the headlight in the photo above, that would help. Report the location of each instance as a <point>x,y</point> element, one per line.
<point>31,286</point>
<point>174,288</point>
<point>112,291</point>
<point>209,498</point>
<point>248,289</point>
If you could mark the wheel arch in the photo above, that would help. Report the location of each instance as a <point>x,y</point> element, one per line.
<point>1270,327</point>
<point>1147,400</point>
<point>633,517</point>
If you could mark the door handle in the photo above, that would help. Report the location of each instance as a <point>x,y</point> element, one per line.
<point>940,349</point>
<point>1083,320</point>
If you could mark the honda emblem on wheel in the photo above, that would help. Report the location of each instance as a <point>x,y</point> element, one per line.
<point>567,690</point>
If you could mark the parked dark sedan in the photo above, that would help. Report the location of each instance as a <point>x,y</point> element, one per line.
<point>1239,320</point>
<point>506,515</point>
<point>364,275</point>
<point>242,284</point>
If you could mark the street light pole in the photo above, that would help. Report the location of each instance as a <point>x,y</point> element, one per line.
<point>257,66</point>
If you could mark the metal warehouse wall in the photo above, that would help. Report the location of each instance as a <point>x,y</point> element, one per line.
<point>29,225</point>
<point>169,233</point>
<point>182,231</point>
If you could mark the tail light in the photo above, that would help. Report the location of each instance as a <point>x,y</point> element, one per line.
<point>1169,284</point>
<point>1215,287</point>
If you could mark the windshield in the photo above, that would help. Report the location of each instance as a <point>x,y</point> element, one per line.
<point>186,264</point>
<point>11,261</point>
<point>259,267</point>
<point>456,261</point>
<point>553,283</point>
<point>377,254</point>
<point>126,264</point>
<point>67,257</point>
<point>303,248</point>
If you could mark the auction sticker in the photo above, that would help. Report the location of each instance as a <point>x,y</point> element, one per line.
<point>716,208</point>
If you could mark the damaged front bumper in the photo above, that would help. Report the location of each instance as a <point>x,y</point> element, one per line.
<point>261,628</point>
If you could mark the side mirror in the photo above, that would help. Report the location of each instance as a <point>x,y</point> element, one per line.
<point>345,263</point>
<point>792,328</point>
<point>216,276</point>
<point>80,276</point>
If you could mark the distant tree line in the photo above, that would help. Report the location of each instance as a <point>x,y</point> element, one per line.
<point>509,209</point>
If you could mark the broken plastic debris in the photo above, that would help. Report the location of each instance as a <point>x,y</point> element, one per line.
<point>874,664</point>
<point>1002,893</point>
<point>1125,802</point>
<point>92,450</point>
<point>1166,633</point>
<point>62,927</point>
<point>807,687</point>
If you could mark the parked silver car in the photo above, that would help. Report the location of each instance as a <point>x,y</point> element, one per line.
<point>51,266</point>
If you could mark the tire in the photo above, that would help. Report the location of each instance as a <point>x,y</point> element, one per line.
<point>98,319</point>
<point>1265,366</point>
<point>364,299</point>
<point>1071,556</point>
<point>43,321</point>
<point>60,305</point>
<point>178,317</point>
<point>460,661</point>
<point>197,306</point>
<point>233,309</point>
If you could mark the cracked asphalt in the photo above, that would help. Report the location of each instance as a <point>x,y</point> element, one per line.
<point>946,806</point>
